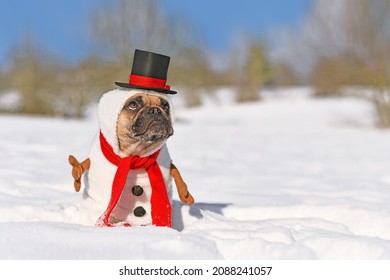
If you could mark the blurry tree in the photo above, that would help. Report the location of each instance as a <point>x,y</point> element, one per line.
<point>331,74</point>
<point>348,42</point>
<point>127,25</point>
<point>191,71</point>
<point>373,32</point>
<point>47,86</point>
<point>79,86</point>
<point>32,75</point>
<point>283,74</point>
<point>3,81</point>
<point>379,78</point>
<point>254,74</point>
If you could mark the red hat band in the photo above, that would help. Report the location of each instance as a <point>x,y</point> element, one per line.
<point>148,82</point>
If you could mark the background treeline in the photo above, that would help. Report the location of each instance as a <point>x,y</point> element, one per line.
<point>342,48</point>
<point>345,45</point>
<point>48,85</point>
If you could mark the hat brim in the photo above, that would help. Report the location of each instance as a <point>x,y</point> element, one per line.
<point>162,90</point>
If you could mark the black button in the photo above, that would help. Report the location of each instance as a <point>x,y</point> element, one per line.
<point>137,190</point>
<point>139,211</point>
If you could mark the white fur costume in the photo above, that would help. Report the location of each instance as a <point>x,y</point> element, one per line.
<point>99,177</point>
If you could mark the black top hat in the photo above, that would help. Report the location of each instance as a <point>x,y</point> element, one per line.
<point>149,72</point>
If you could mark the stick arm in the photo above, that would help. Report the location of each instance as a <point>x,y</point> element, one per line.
<point>181,186</point>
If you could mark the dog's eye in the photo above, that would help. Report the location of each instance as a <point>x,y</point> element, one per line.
<point>133,105</point>
<point>165,106</point>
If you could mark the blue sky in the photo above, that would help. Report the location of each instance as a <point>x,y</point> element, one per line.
<point>60,25</point>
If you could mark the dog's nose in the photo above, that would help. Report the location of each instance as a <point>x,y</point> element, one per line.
<point>154,111</point>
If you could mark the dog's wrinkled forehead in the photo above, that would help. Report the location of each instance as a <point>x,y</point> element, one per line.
<point>141,100</point>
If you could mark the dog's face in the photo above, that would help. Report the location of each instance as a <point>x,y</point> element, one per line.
<point>143,124</point>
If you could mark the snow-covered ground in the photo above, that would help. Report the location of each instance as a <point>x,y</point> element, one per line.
<point>286,178</point>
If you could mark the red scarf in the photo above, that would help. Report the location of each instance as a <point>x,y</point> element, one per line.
<point>160,205</point>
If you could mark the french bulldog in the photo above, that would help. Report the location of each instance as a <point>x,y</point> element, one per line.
<point>137,129</point>
<point>143,124</point>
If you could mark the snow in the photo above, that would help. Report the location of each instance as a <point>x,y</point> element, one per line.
<point>10,101</point>
<point>287,178</point>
